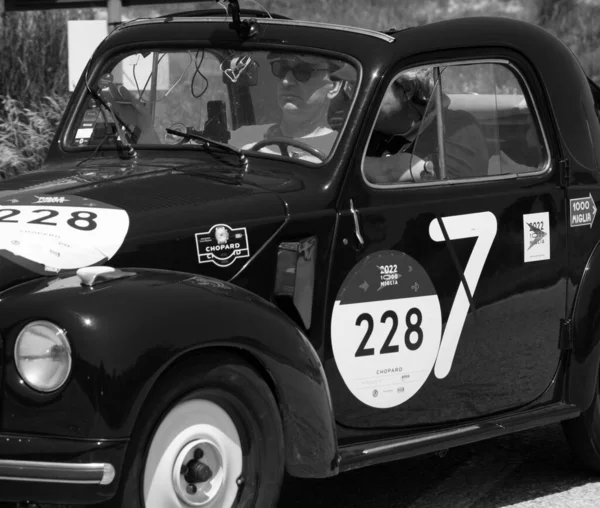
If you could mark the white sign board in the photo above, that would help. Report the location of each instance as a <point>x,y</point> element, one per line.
<point>84,38</point>
<point>136,72</point>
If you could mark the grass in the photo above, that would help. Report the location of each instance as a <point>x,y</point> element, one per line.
<point>33,51</point>
<point>25,133</point>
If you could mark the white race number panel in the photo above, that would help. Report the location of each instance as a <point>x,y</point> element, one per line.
<point>386,329</point>
<point>60,232</point>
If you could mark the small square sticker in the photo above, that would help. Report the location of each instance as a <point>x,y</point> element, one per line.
<point>84,133</point>
<point>536,237</point>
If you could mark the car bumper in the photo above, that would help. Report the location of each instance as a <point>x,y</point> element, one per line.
<point>57,470</point>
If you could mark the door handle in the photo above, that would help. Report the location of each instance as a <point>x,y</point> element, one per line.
<point>356,225</point>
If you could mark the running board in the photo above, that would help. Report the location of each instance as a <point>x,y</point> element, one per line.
<point>367,454</point>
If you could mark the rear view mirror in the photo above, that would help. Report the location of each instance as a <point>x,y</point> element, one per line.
<point>240,70</point>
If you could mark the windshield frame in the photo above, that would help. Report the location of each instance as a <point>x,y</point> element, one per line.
<point>110,58</point>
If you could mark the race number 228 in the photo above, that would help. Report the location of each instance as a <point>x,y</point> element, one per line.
<point>413,319</point>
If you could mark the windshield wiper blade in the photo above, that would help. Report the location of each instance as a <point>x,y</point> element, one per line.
<point>210,143</point>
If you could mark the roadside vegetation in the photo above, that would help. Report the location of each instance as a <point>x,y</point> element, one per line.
<point>33,51</point>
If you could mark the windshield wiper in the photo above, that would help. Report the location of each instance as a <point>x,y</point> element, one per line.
<point>210,143</point>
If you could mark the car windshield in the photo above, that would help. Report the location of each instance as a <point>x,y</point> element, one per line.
<point>286,104</point>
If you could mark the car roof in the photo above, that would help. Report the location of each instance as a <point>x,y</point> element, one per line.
<point>371,47</point>
<point>215,17</point>
<point>379,51</point>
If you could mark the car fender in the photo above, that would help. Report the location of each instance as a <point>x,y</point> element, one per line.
<point>584,358</point>
<point>126,333</point>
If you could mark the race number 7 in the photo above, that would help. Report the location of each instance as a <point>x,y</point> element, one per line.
<point>483,226</point>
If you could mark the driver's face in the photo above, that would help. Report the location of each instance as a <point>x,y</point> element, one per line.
<point>303,99</point>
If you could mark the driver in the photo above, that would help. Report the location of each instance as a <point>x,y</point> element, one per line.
<point>306,86</point>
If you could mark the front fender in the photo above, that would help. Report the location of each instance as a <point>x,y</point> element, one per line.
<point>584,359</point>
<point>125,333</point>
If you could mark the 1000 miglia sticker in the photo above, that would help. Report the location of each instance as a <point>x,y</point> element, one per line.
<point>49,233</point>
<point>386,325</point>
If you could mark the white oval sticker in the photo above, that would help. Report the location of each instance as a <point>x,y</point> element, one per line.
<point>60,232</point>
<point>386,329</point>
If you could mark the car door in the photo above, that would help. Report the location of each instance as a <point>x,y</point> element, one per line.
<point>448,291</point>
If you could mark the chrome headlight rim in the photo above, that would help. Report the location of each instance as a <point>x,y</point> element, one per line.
<point>61,334</point>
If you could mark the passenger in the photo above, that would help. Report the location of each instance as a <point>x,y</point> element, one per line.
<point>404,144</point>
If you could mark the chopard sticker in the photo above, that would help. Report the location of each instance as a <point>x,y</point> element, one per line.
<point>582,211</point>
<point>386,328</point>
<point>222,245</point>
<point>536,237</point>
<point>49,233</point>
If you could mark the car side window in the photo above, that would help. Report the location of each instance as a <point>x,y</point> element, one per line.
<point>453,122</point>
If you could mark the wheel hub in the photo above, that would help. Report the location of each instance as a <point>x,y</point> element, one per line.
<point>199,473</point>
<point>196,471</point>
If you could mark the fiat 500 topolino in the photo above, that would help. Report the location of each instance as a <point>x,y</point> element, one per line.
<point>193,302</point>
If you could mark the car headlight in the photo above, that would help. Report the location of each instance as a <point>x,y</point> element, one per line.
<point>43,356</point>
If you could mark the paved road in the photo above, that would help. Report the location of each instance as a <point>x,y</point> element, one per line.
<point>530,469</point>
<point>525,470</point>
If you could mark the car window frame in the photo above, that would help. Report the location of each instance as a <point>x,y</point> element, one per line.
<point>95,66</point>
<point>533,108</point>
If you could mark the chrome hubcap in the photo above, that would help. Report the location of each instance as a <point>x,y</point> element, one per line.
<point>195,459</point>
<point>199,473</point>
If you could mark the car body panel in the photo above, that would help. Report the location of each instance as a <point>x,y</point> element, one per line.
<point>104,396</point>
<point>518,306</point>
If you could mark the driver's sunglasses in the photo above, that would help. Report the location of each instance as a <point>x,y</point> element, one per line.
<point>301,72</point>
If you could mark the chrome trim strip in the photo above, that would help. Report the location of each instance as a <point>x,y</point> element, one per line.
<point>453,182</point>
<point>356,224</point>
<point>261,21</point>
<point>420,439</point>
<point>545,168</point>
<point>57,472</point>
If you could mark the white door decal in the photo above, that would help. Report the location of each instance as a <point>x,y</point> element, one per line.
<point>483,226</point>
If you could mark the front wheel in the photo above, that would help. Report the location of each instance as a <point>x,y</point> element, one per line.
<point>210,437</point>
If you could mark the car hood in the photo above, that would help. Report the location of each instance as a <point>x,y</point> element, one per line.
<point>164,215</point>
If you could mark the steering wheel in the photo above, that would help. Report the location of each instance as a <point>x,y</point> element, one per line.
<point>284,143</point>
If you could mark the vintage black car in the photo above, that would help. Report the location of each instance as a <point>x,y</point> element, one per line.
<point>229,267</point>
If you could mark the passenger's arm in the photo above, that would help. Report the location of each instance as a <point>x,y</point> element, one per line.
<point>397,168</point>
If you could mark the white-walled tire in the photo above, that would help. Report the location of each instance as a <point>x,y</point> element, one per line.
<point>209,436</point>
<point>192,428</point>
